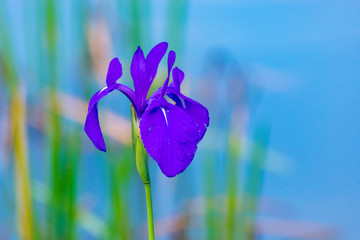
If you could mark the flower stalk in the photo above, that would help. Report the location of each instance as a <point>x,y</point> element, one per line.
<point>141,158</point>
<point>149,211</point>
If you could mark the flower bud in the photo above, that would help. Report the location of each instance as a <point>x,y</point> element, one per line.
<point>139,150</point>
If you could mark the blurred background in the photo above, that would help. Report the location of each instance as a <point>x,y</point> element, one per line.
<point>281,156</point>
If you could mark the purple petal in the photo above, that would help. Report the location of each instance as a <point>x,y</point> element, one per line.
<point>144,71</point>
<point>198,112</point>
<point>92,125</point>
<point>152,61</point>
<point>114,72</point>
<point>171,60</point>
<point>169,135</point>
<point>178,77</point>
<point>138,74</point>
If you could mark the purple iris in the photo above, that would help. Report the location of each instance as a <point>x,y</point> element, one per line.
<point>170,132</point>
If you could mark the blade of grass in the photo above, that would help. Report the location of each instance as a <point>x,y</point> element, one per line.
<point>79,29</point>
<point>53,122</point>
<point>84,218</point>
<point>210,208</point>
<point>254,179</point>
<point>176,26</point>
<point>6,56</point>
<point>24,207</point>
<point>22,174</point>
<point>136,38</point>
<point>54,126</point>
<point>234,152</point>
<point>70,178</point>
<point>121,170</point>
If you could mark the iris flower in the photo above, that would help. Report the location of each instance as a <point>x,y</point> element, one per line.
<point>170,132</point>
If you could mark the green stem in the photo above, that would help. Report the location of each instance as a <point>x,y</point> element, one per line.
<point>143,169</point>
<point>149,211</point>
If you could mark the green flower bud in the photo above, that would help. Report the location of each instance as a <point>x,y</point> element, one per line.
<point>139,150</point>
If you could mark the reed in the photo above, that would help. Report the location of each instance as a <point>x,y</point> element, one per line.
<point>234,151</point>
<point>24,208</point>
<point>19,138</point>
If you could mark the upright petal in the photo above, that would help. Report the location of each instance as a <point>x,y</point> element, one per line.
<point>169,135</point>
<point>143,71</point>
<point>152,61</point>
<point>114,72</point>
<point>171,60</point>
<point>138,74</point>
<point>198,112</point>
<point>178,77</point>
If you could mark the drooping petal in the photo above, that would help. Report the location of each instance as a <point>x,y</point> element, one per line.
<point>92,125</point>
<point>114,72</point>
<point>178,77</point>
<point>198,112</point>
<point>169,135</point>
<point>138,74</point>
